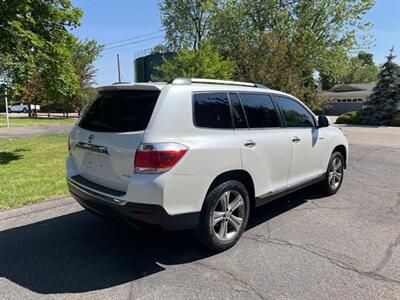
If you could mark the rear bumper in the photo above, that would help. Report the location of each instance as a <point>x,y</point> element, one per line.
<point>136,213</point>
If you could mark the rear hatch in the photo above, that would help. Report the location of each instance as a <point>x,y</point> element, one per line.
<point>104,142</point>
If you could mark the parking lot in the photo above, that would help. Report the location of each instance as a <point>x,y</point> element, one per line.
<point>302,246</point>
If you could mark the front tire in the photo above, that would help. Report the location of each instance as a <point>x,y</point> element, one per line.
<point>334,175</point>
<point>224,216</point>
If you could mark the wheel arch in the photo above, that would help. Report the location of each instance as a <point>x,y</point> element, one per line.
<point>342,150</point>
<point>240,175</point>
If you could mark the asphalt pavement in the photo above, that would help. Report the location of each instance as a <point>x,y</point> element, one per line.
<point>303,246</point>
<point>34,130</point>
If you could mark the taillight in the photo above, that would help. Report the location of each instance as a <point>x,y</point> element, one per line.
<point>158,158</point>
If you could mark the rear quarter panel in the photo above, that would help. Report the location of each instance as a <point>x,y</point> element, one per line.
<point>211,151</point>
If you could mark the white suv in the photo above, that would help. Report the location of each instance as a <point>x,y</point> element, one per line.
<point>198,154</point>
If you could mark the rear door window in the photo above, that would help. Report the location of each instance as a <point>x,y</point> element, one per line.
<point>260,111</point>
<point>120,111</point>
<point>211,110</point>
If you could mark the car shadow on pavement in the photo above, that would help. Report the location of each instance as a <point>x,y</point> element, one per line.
<point>279,206</point>
<point>77,253</point>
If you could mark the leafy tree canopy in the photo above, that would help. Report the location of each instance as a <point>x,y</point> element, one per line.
<point>186,22</point>
<point>83,54</point>
<point>312,35</point>
<point>204,63</point>
<point>358,69</point>
<point>34,38</point>
<point>324,30</point>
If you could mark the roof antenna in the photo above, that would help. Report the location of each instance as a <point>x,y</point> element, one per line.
<point>119,69</point>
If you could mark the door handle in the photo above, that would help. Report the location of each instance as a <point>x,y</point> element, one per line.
<point>250,143</point>
<point>296,139</point>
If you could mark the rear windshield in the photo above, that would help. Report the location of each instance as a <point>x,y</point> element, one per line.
<point>120,111</point>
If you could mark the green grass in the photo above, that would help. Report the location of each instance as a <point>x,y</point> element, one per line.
<point>32,169</point>
<point>41,121</point>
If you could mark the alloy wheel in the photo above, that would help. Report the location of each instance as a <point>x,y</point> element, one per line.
<point>335,173</point>
<point>228,215</point>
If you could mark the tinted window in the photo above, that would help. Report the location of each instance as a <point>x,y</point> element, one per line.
<point>237,111</point>
<point>259,110</point>
<point>294,113</point>
<point>120,111</point>
<point>211,110</point>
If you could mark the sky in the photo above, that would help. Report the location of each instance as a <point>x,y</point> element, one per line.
<point>137,24</point>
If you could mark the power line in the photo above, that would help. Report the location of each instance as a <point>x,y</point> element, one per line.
<point>131,50</point>
<point>132,43</point>
<point>133,38</point>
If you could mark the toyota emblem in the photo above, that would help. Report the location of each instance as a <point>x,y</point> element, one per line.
<point>90,139</point>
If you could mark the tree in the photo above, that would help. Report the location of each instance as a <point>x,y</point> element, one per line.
<point>34,90</point>
<point>358,69</point>
<point>316,36</point>
<point>324,29</point>
<point>204,63</point>
<point>160,48</point>
<point>84,53</point>
<point>360,72</point>
<point>35,38</point>
<point>267,63</point>
<point>185,21</point>
<point>366,58</point>
<point>384,104</point>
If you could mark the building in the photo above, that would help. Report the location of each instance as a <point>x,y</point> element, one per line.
<point>347,97</point>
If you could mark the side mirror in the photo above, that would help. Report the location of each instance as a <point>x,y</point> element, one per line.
<point>323,121</point>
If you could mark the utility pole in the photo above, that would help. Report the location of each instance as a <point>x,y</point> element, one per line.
<point>119,69</point>
<point>6,101</point>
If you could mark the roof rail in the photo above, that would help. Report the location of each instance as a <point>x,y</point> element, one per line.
<point>185,81</point>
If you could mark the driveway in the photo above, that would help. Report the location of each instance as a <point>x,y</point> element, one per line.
<point>372,135</point>
<point>303,246</point>
<point>34,130</point>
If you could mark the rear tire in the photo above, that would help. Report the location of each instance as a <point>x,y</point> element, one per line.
<point>25,110</point>
<point>224,216</point>
<point>333,176</point>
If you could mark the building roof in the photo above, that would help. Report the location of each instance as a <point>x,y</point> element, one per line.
<point>353,87</point>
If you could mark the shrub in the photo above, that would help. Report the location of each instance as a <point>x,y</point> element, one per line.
<point>351,117</point>
<point>396,122</point>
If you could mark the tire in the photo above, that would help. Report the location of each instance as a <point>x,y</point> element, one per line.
<point>25,110</point>
<point>334,175</point>
<point>9,111</point>
<point>231,220</point>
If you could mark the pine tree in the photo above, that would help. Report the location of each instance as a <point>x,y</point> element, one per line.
<point>384,103</point>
